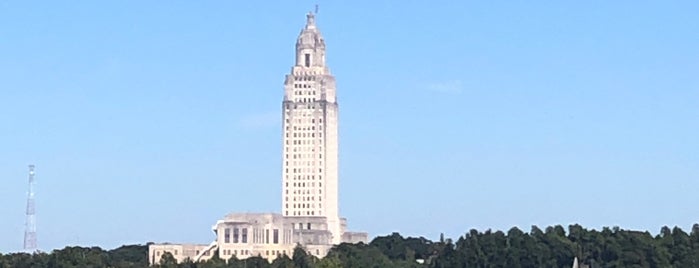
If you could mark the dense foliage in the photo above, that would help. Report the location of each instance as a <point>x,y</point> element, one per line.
<point>125,256</point>
<point>552,247</point>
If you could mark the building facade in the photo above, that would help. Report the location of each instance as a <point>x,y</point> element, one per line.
<point>309,113</point>
<point>310,212</point>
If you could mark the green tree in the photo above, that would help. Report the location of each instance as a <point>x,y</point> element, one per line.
<point>283,261</point>
<point>256,262</point>
<point>129,256</point>
<point>300,258</point>
<point>329,262</point>
<point>167,261</point>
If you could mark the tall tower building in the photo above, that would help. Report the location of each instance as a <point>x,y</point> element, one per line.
<point>309,215</point>
<point>309,125</point>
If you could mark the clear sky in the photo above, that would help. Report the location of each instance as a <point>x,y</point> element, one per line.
<point>150,120</point>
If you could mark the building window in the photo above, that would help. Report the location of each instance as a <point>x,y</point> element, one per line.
<point>308,60</point>
<point>266,236</point>
<point>227,235</point>
<point>309,226</point>
<point>235,235</point>
<point>275,237</point>
<point>244,238</point>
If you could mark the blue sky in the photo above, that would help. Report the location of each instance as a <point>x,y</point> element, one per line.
<point>150,120</point>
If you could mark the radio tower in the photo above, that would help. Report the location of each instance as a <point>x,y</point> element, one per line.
<point>30,227</point>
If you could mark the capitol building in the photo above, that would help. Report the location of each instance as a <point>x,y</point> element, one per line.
<point>309,211</point>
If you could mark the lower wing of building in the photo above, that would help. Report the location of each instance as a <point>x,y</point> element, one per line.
<point>267,235</point>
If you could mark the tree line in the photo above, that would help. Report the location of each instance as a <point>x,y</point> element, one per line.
<point>551,247</point>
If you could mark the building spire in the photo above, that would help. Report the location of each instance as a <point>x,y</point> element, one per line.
<point>310,20</point>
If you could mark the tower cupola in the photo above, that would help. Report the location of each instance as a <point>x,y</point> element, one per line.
<point>310,46</point>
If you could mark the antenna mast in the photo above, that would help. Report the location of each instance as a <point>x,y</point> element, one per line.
<point>30,225</point>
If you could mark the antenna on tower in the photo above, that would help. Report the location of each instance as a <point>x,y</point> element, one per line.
<point>316,9</point>
<point>30,225</point>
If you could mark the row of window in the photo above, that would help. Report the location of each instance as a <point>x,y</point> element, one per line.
<point>298,128</point>
<point>308,92</point>
<point>303,184</point>
<point>275,252</point>
<point>299,156</point>
<point>305,142</point>
<point>302,170</point>
<point>176,252</point>
<point>310,152</point>
<point>300,140</point>
<point>243,237</point>
<point>304,198</point>
<point>302,163</point>
<point>300,213</point>
<point>302,86</point>
<point>304,100</point>
<point>305,78</point>
<point>245,252</point>
<point>303,192</point>
<point>298,121</point>
<point>257,236</point>
<point>316,107</point>
<point>304,205</point>
<point>311,149</point>
<point>235,252</point>
<point>306,73</point>
<point>303,135</point>
<point>303,178</point>
<point>286,199</point>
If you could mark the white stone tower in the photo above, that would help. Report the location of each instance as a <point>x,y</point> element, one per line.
<point>309,153</point>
